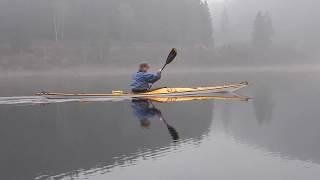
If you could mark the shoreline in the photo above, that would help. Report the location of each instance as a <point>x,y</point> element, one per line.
<point>99,71</point>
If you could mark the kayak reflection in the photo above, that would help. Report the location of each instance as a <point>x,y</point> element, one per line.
<point>144,110</point>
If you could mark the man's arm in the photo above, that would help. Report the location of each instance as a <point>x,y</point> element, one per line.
<point>152,78</point>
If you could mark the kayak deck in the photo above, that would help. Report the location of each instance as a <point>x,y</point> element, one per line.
<point>161,92</point>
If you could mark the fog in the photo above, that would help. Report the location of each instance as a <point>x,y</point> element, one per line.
<point>89,49</point>
<point>39,35</point>
<point>294,21</point>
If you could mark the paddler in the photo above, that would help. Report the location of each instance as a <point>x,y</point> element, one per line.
<point>142,80</point>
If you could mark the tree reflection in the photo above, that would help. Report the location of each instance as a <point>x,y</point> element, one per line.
<point>263,104</point>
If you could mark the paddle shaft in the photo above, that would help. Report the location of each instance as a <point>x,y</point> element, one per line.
<point>160,72</point>
<point>172,55</point>
<point>163,67</point>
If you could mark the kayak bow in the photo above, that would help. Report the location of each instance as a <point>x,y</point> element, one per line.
<point>161,92</point>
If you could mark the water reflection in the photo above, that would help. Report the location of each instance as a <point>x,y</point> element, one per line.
<point>65,137</point>
<point>278,129</point>
<point>263,103</point>
<point>144,110</point>
<point>282,119</point>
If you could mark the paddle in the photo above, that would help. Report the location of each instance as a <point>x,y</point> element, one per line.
<point>172,55</point>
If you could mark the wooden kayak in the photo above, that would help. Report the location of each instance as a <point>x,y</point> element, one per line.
<point>161,92</point>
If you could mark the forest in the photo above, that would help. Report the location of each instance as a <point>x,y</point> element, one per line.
<point>46,34</point>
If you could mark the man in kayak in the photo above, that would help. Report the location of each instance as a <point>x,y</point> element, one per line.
<point>142,80</point>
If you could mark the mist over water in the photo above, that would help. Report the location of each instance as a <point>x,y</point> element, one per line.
<point>81,46</point>
<point>41,35</point>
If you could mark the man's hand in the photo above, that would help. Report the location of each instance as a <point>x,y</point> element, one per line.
<point>159,73</point>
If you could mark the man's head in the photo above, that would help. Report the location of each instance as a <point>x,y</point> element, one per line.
<point>144,67</point>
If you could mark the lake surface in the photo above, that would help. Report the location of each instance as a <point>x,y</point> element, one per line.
<point>273,136</point>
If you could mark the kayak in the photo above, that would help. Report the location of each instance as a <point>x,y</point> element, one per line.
<point>171,99</point>
<point>36,100</point>
<point>160,92</point>
<point>233,97</point>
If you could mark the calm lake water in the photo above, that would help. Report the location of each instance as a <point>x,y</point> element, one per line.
<point>273,136</point>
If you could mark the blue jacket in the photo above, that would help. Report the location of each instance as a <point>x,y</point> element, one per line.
<point>142,81</point>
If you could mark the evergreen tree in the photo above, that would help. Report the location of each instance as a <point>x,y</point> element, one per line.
<point>225,22</point>
<point>207,29</point>
<point>269,25</point>
<point>262,31</point>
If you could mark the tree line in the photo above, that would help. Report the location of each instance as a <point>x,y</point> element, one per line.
<point>170,21</point>
<point>62,33</point>
<point>38,28</point>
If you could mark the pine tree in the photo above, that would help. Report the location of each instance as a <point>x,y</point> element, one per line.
<point>225,22</point>
<point>269,25</point>
<point>207,29</point>
<point>262,31</point>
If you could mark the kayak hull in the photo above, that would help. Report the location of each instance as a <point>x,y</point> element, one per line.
<point>161,92</point>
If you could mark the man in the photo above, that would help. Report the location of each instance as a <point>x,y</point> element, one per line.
<point>142,80</point>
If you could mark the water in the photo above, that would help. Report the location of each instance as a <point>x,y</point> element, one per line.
<point>273,136</point>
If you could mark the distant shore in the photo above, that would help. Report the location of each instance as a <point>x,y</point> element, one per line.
<point>99,71</point>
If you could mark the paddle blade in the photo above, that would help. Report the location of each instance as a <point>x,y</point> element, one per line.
<point>173,132</point>
<point>171,56</point>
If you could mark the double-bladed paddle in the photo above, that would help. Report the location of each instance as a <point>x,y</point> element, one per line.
<point>172,55</point>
